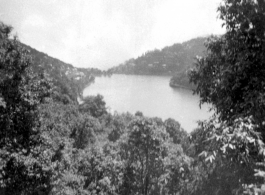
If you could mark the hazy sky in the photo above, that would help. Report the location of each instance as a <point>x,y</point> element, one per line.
<point>104,33</point>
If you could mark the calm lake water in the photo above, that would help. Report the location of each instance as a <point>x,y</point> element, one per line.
<point>152,96</point>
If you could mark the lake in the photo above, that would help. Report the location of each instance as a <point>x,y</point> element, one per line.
<point>151,95</point>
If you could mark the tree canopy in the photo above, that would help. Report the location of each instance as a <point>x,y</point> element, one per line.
<point>21,91</point>
<point>231,78</point>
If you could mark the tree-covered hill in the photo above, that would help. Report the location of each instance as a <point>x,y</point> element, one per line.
<point>173,60</point>
<point>167,61</point>
<point>68,80</point>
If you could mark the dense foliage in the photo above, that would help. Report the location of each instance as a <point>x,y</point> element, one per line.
<point>23,167</point>
<point>231,78</point>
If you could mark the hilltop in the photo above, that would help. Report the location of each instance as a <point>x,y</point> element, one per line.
<point>172,60</point>
<point>167,61</point>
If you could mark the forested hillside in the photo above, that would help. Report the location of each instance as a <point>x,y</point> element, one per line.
<point>68,80</point>
<point>174,61</point>
<point>167,61</point>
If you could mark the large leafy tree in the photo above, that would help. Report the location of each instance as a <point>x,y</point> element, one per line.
<point>144,150</point>
<point>153,164</point>
<point>231,78</point>
<point>22,163</point>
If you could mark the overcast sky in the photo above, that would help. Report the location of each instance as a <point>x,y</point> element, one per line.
<point>104,33</point>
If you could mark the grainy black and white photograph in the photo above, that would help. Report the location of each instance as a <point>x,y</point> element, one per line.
<point>132,97</point>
